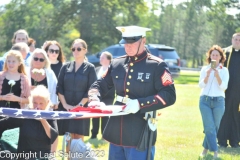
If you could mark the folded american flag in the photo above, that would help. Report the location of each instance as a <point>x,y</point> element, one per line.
<point>76,113</point>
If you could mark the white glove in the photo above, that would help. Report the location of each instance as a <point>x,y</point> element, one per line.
<point>132,106</point>
<point>96,104</point>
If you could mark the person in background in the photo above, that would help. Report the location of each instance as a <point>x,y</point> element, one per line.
<point>36,135</point>
<point>74,80</point>
<point>230,124</point>
<point>55,55</point>
<point>14,84</point>
<point>213,81</point>
<point>143,84</point>
<point>19,36</point>
<point>24,49</point>
<point>40,73</point>
<point>31,44</point>
<point>105,60</point>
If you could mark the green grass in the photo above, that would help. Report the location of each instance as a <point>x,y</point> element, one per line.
<point>187,77</point>
<point>180,131</point>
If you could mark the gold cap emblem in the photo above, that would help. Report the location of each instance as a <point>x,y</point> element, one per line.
<point>122,29</point>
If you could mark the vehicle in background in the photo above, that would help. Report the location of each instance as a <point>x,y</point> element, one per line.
<point>167,53</point>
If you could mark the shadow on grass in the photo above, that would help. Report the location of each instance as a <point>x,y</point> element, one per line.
<point>96,143</point>
<point>229,150</point>
<point>209,157</point>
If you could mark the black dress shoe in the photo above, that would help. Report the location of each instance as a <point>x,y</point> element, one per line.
<point>222,146</point>
<point>93,137</point>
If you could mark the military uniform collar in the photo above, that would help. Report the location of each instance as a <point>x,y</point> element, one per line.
<point>138,57</point>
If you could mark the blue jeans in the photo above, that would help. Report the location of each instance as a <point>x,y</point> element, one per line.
<point>212,110</point>
<point>128,153</point>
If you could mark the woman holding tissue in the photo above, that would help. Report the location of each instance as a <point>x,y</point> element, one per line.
<point>213,81</point>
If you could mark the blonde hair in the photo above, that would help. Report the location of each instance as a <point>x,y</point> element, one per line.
<point>43,52</point>
<point>40,91</point>
<point>20,31</point>
<point>18,55</point>
<point>21,46</point>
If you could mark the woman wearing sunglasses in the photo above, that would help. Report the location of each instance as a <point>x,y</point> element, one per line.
<point>40,73</point>
<point>74,80</point>
<point>55,55</point>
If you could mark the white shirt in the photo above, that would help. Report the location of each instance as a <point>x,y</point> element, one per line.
<point>101,72</point>
<point>212,88</point>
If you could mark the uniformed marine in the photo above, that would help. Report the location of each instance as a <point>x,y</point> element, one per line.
<point>143,83</point>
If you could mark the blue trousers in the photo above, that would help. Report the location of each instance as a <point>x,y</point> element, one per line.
<point>212,110</point>
<point>128,153</point>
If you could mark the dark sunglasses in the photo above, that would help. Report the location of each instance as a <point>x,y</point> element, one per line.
<point>52,51</point>
<point>78,49</point>
<point>40,59</point>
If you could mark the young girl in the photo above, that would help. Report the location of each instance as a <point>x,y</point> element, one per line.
<point>14,84</point>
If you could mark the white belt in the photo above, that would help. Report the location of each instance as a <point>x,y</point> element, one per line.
<point>122,99</point>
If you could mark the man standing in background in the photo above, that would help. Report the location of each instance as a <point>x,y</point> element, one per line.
<point>230,123</point>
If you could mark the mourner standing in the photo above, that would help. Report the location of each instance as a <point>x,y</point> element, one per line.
<point>105,60</point>
<point>230,124</point>
<point>213,82</point>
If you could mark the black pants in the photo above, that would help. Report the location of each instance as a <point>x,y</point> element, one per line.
<point>95,125</point>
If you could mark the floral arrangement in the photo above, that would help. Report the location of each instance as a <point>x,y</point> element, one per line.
<point>37,71</point>
<point>11,83</point>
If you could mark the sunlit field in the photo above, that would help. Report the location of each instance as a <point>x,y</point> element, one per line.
<point>180,131</point>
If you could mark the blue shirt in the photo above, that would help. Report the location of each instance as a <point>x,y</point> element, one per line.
<point>1,63</point>
<point>27,60</point>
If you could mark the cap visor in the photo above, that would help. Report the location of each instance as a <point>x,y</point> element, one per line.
<point>130,39</point>
<point>122,41</point>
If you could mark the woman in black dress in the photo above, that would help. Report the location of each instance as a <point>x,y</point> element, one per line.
<point>14,85</point>
<point>74,80</point>
<point>55,55</point>
<point>36,136</point>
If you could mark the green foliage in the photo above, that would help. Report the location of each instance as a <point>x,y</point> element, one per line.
<point>192,27</point>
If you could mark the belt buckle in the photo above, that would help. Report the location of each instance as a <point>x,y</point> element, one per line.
<point>124,100</point>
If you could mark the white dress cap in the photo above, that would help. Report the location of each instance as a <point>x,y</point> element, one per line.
<point>133,31</point>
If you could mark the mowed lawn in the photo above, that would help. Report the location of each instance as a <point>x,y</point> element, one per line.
<point>180,131</point>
